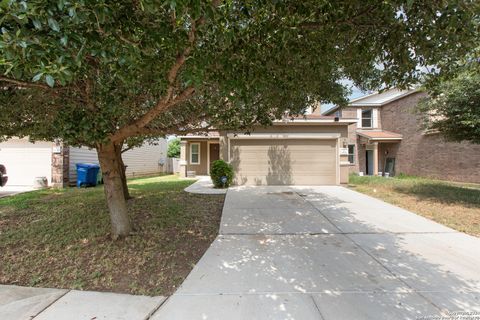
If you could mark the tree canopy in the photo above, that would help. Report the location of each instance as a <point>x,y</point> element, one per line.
<point>96,68</point>
<point>453,105</point>
<point>174,148</point>
<point>98,73</point>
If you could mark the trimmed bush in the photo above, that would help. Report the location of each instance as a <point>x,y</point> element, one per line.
<point>221,169</point>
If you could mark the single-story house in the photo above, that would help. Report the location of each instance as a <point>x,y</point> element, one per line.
<point>387,137</point>
<point>25,161</point>
<point>310,150</point>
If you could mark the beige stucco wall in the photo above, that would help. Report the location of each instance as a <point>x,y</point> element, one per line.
<point>298,127</point>
<point>200,169</point>
<point>223,146</point>
<point>351,112</point>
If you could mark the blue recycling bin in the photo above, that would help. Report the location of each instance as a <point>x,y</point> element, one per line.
<point>87,174</point>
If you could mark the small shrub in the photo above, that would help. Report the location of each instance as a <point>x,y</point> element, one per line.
<point>220,169</point>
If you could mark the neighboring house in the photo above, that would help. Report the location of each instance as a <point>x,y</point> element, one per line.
<point>300,151</point>
<point>25,161</point>
<point>387,137</point>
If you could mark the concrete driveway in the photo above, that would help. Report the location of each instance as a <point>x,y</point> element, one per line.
<point>327,253</point>
<point>12,190</point>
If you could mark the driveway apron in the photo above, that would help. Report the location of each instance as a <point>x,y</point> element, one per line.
<point>327,253</point>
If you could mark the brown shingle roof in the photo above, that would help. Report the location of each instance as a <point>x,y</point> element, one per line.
<point>379,135</point>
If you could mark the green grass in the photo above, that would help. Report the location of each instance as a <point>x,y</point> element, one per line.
<point>454,204</point>
<point>61,238</point>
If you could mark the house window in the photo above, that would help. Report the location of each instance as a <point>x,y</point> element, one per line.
<point>338,114</point>
<point>367,118</point>
<point>194,153</point>
<point>351,153</point>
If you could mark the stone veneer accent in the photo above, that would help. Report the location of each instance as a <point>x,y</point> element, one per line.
<point>60,163</point>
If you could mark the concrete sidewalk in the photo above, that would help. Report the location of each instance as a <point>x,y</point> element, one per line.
<point>22,303</point>
<point>327,253</point>
<point>204,185</point>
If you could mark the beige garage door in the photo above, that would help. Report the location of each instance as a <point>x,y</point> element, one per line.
<point>284,161</point>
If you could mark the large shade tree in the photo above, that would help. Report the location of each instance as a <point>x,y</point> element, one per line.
<point>452,107</point>
<point>98,73</point>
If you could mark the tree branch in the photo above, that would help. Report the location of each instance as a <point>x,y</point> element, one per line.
<point>166,102</point>
<point>165,131</point>
<point>128,41</point>
<point>126,149</point>
<point>23,84</point>
<point>148,117</point>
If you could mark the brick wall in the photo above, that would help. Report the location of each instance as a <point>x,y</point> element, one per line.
<point>427,155</point>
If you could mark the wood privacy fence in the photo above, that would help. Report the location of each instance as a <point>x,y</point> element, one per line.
<point>172,165</point>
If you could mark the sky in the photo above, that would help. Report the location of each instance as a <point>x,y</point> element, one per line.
<point>356,93</point>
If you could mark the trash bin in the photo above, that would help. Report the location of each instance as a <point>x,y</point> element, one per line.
<point>100,177</point>
<point>87,174</point>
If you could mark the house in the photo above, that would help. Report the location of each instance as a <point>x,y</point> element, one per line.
<point>387,137</point>
<point>306,150</point>
<point>25,161</point>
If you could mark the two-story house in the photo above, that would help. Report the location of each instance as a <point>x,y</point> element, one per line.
<point>387,138</point>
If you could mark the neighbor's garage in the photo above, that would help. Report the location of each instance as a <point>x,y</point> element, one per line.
<point>285,161</point>
<point>25,161</point>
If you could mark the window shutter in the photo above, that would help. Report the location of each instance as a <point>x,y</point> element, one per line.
<point>359,117</point>
<point>375,118</point>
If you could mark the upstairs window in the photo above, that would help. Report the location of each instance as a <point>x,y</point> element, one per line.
<point>367,118</point>
<point>338,113</point>
<point>195,153</point>
<point>351,153</point>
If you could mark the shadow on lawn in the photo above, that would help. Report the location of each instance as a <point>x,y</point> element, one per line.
<point>443,193</point>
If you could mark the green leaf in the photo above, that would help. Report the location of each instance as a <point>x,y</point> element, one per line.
<point>37,77</point>
<point>50,80</point>
<point>53,24</point>
<point>37,24</point>
<point>61,4</point>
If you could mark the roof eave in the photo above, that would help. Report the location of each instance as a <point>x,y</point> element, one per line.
<point>385,139</point>
<point>316,121</point>
<point>198,137</point>
<point>330,111</point>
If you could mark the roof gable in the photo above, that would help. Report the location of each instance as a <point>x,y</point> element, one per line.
<point>381,98</point>
<point>376,99</point>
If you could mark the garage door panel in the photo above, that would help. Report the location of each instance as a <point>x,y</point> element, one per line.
<point>283,162</point>
<point>25,161</point>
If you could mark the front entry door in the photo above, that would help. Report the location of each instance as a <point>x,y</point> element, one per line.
<point>214,150</point>
<point>369,162</point>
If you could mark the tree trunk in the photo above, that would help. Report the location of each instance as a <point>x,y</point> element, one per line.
<point>114,190</point>
<point>122,169</point>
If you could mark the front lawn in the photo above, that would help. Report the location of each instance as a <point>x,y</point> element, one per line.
<point>455,205</point>
<point>60,238</point>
